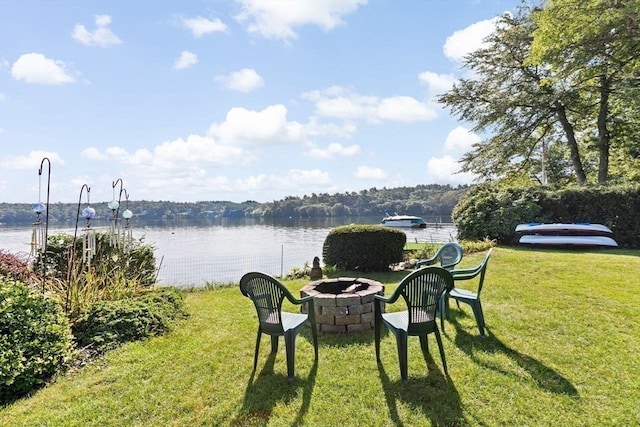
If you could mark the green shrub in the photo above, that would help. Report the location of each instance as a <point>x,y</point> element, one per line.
<point>487,212</point>
<point>35,340</point>
<point>428,250</point>
<point>17,267</point>
<point>108,324</point>
<point>493,212</point>
<point>363,247</point>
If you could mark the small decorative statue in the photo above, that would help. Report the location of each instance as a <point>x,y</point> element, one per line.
<point>316,270</point>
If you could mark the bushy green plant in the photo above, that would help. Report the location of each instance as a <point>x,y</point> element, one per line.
<point>108,324</point>
<point>364,248</point>
<point>298,273</point>
<point>428,250</point>
<point>493,212</point>
<point>17,267</point>
<point>35,340</point>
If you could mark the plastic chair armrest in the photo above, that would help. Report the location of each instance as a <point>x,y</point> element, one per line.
<point>465,273</point>
<point>426,262</point>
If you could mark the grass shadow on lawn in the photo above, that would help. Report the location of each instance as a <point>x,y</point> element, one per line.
<point>265,392</point>
<point>435,395</point>
<point>471,344</point>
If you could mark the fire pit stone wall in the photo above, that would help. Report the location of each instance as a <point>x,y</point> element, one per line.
<point>344,304</point>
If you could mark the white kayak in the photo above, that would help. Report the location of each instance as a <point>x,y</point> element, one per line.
<point>565,240</point>
<point>558,228</point>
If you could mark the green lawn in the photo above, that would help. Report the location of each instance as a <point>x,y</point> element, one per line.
<point>563,349</point>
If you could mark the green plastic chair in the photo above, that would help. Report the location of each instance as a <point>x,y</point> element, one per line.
<point>448,255</point>
<point>466,296</point>
<point>422,291</point>
<point>268,294</point>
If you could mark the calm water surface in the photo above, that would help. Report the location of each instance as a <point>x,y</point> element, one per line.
<point>221,251</point>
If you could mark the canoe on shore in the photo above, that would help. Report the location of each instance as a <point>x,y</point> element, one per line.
<point>586,229</point>
<point>566,240</point>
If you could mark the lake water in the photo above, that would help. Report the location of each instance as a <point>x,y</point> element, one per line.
<point>221,251</point>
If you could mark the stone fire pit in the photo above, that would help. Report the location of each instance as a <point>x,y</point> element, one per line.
<point>344,304</point>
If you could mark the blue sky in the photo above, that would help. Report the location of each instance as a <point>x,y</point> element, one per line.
<point>231,100</point>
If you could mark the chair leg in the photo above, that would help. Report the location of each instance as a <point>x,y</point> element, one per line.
<point>479,315</point>
<point>376,332</point>
<point>442,308</point>
<point>444,361</point>
<point>290,347</point>
<point>314,334</point>
<point>255,356</point>
<point>401,341</point>
<point>424,345</point>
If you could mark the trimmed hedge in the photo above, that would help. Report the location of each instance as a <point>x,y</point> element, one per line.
<point>493,212</point>
<point>35,340</point>
<point>363,247</point>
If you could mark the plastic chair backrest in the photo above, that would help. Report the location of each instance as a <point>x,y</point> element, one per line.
<point>267,295</point>
<point>469,273</point>
<point>421,291</point>
<point>483,270</point>
<point>450,254</point>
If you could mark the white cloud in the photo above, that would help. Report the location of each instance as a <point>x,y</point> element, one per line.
<point>277,19</point>
<point>445,170</point>
<point>404,109</point>
<point>345,104</point>
<point>244,80</point>
<point>469,39</point>
<point>332,150</point>
<point>101,36</point>
<point>460,140</point>
<point>200,26</point>
<point>186,60</point>
<point>437,83</point>
<point>295,181</point>
<point>33,160</point>
<point>345,129</point>
<point>366,172</point>
<point>302,178</point>
<point>93,153</point>
<point>37,68</point>
<point>244,127</point>
<point>194,152</point>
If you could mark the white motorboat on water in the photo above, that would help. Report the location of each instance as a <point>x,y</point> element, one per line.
<point>392,219</point>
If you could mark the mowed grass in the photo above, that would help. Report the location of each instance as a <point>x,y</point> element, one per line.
<point>563,349</point>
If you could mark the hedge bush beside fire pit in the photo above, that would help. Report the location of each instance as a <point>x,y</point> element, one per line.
<point>363,247</point>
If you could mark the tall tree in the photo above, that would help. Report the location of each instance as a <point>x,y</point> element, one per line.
<point>542,85</point>
<point>514,102</point>
<point>594,46</point>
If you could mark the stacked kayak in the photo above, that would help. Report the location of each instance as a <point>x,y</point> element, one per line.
<point>578,234</point>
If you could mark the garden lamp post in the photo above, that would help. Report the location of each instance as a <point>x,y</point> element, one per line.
<point>40,232</point>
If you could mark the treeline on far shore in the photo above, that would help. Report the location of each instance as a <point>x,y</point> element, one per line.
<point>432,200</point>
